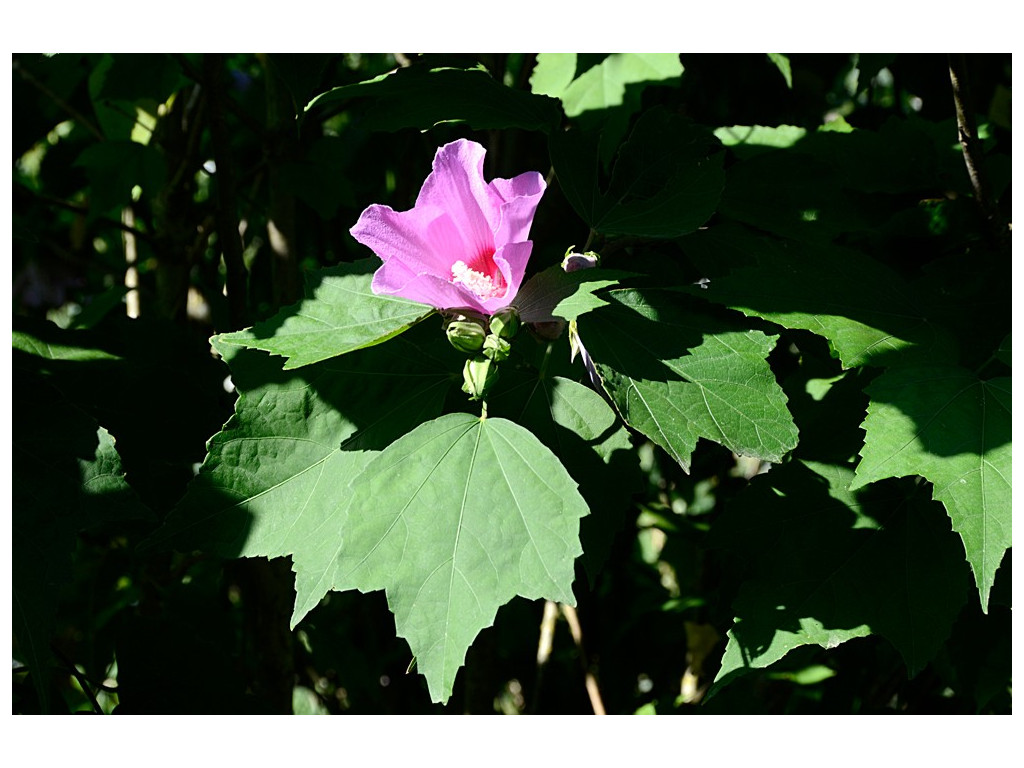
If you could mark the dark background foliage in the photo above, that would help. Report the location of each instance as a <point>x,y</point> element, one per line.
<point>159,199</point>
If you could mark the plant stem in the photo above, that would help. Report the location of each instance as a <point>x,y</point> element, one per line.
<point>593,691</point>
<point>969,143</point>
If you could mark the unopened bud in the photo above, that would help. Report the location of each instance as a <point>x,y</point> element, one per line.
<point>479,375</point>
<point>576,261</point>
<point>497,348</point>
<point>505,323</point>
<point>466,336</point>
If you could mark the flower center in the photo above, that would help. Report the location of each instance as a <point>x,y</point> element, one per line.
<point>484,286</point>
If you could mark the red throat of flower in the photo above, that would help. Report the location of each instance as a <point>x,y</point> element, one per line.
<point>481,275</point>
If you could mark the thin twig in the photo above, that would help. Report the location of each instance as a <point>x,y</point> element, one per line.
<point>83,681</point>
<point>969,143</point>
<point>593,691</point>
<point>20,189</point>
<point>544,645</point>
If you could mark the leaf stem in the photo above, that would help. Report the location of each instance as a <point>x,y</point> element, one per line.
<point>593,691</point>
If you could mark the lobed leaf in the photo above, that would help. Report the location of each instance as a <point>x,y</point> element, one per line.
<point>948,426</point>
<point>276,479</point>
<point>678,375</point>
<point>453,520</point>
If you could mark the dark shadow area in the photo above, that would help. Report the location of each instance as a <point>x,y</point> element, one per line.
<point>829,565</point>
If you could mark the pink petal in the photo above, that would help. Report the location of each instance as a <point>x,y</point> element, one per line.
<point>457,187</point>
<point>511,259</point>
<point>394,279</point>
<point>416,237</point>
<point>517,199</point>
<point>458,217</point>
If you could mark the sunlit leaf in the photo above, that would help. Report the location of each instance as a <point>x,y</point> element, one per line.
<point>276,480</point>
<point>341,314</point>
<point>781,61</point>
<point>453,520</point>
<point>948,426</point>
<point>678,375</point>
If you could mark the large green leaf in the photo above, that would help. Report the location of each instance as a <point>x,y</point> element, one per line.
<point>868,314</point>
<point>276,479</point>
<point>950,427</point>
<point>666,181</point>
<point>827,565</point>
<point>421,98</point>
<point>677,375</point>
<point>340,315</point>
<point>453,520</point>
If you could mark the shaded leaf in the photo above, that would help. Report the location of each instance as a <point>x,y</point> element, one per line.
<point>953,429</point>
<point>340,315</point>
<point>666,181</point>
<point>1003,353</point>
<point>115,167</point>
<point>321,178</point>
<point>555,293</point>
<point>69,479</point>
<point>827,565</point>
<point>419,98</point>
<point>868,314</point>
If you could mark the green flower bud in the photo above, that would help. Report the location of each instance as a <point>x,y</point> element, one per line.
<point>479,375</point>
<point>497,348</point>
<point>466,335</point>
<point>505,323</point>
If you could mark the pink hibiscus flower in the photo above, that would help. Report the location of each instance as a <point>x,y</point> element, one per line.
<point>464,244</point>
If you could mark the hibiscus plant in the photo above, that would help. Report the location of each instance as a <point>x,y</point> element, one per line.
<point>585,360</point>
